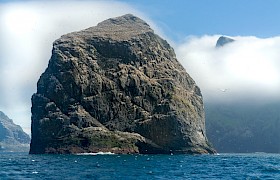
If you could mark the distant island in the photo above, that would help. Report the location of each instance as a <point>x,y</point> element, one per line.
<point>117,87</point>
<point>12,137</point>
<point>243,127</point>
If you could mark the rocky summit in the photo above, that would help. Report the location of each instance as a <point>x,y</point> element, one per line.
<point>223,40</point>
<point>117,87</point>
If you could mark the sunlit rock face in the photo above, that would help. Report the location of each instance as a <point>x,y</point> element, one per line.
<point>12,137</point>
<point>117,87</point>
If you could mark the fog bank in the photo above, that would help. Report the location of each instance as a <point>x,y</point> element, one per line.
<point>246,69</point>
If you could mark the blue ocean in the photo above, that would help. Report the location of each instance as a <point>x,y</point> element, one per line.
<point>108,166</point>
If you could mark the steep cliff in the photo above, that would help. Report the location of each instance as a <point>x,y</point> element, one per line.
<point>12,137</point>
<point>117,87</point>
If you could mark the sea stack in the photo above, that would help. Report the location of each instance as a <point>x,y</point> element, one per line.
<point>117,87</point>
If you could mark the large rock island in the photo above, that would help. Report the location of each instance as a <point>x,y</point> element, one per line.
<point>117,87</point>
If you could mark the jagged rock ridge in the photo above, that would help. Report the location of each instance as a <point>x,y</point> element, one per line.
<point>223,40</point>
<point>117,87</point>
<point>12,137</point>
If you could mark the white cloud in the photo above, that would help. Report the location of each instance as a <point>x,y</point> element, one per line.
<point>248,68</point>
<point>28,30</point>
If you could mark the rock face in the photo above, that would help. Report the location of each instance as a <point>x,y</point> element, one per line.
<point>223,41</point>
<point>117,87</point>
<point>12,137</point>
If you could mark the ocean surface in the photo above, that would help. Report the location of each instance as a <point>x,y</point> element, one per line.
<point>106,166</point>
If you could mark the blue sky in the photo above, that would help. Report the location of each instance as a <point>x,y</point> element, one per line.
<point>179,18</point>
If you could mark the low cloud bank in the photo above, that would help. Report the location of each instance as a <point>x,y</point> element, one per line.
<point>246,69</point>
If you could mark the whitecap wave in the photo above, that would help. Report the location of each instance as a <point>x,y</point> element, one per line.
<point>94,154</point>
